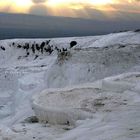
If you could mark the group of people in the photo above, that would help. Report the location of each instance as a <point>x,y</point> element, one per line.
<point>43,47</point>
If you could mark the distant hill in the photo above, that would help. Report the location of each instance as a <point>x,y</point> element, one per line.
<point>30,26</point>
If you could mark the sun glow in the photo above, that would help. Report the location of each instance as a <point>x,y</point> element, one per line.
<point>71,8</point>
<point>19,6</point>
<point>23,3</point>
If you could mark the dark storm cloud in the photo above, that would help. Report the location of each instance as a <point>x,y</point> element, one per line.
<point>90,12</point>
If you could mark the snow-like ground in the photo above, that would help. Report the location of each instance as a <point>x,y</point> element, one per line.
<point>115,106</point>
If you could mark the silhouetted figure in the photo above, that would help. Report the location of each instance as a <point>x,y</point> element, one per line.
<point>47,42</point>
<point>36,57</point>
<point>56,48</point>
<point>37,47</point>
<point>13,44</point>
<point>64,50</point>
<point>42,47</point>
<point>49,49</point>
<point>24,47</point>
<point>19,46</point>
<point>2,48</point>
<point>27,47</point>
<point>42,44</point>
<point>73,43</point>
<point>33,48</point>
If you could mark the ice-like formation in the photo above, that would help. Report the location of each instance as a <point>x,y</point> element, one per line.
<point>63,107</point>
<point>68,106</point>
<point>121,82</point>
<point>8,89</point>
<point>112,104</point>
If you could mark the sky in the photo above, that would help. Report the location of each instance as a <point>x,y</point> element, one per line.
<point>94,9</point>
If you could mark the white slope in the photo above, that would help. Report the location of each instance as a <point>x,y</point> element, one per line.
<point>118,118</point>
<point>115,113</point>
<point>93,58</point>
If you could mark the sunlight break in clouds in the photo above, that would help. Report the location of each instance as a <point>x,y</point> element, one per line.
<point>15,6</point>
<point>71,8</point>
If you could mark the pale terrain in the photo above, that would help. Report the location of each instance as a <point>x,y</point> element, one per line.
<point>88,79</point>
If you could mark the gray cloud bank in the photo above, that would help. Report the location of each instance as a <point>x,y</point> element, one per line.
<point>29,26</point>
